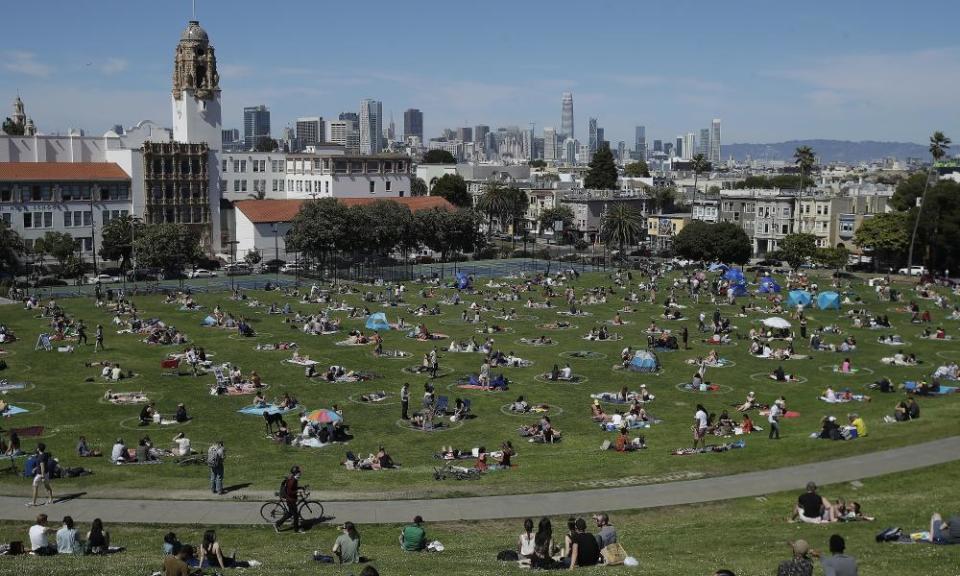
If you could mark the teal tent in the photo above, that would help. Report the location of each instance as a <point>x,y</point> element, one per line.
<point>828,301</point>
<point>377,321</point>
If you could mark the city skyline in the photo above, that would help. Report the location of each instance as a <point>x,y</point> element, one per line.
<point>768,81</point>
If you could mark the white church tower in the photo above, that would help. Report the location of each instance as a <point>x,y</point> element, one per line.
<point>196,110</point>
<point>196,90</point>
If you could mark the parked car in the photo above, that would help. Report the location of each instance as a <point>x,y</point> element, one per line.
<point>913,271</point>
<point>291,268</point>
<point>237,269</point>
<point>103,279</point>
<point>141,274</point>
<point>271,266</point>
<point>201,273</point>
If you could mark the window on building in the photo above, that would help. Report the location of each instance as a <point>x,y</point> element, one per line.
<point>87,218</point>
<point>243,185</point>
<point>281,185</point>
<point>273,185</point>
<point>327,187</point>
<point>6,195</point>
<point>87,244</point>
<point>35,194</point>
<point>48,219</point>
<point>67,219</point>
<point>7,218</point>
<point>224,167</point>
<point>387,185</point>
<point>243,165</point>
<point>236,185</point>
<point>372,187</point>
<point>766,228</point>
<point>785,229</point>
<point>236,165</point>
<point>256,166</point>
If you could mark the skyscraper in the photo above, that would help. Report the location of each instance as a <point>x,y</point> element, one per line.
<point>703,147</point>
<point>622,152</point>
<point>601,138</point>
<point>658,145</point>
<point>480,132</point>
<point>566,116</point>
<point>465,134</point>
<point>689,146</point>
<point>668,149</point>
<point>256,125</point>
<point>371,126</point>
<point>413,123</point>
<point>678,147</point>
<point>344,133</point>
<point>640,142</point>
<point>715,142</point>
<point>310,131</point>
<point>570,151</point>
<point>550,144</point>
<point>592,134</point>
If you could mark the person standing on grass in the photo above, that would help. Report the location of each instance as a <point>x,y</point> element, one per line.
<point>838,563</point>
<point>289,492</point>
<point>685,336</point>
<point>98,343</point>
<point>42,471</point>
<point>700,422</point>
<point>215,457</point>
<point>773,418</point>
<point>81,333</point>
<point>404,401</point>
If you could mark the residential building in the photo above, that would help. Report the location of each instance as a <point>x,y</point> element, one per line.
<point>662,228</point>
<point>413,123</point>
<point>347,176</point>
<point>247,175</point>
<point>589,207</point>
<point>566,117</point>
<point>256,125</point>
<point>706,209</point>
<point>310,131</point>
<point>773,221</point>
<point>465,134</point>
<point>739,209</point>
<point>703,146</point>
<point>371,126</point>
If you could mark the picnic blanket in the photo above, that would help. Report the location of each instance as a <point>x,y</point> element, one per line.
<point>128,398</point>
<point>479,387</point>
<point>5,385</point>
<point>631,425</point>
<point>243,389</point>
<point>301,362</point>
<point>14,410</point>
<point>911,386</point>
<point>29,431</point>
<point>710,449</point>
<point>269,408</point>
<point>787,414</point>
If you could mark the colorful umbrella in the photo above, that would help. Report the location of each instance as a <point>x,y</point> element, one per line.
<point>324,416</point>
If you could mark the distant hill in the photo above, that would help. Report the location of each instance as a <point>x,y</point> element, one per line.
<point>828,150</point>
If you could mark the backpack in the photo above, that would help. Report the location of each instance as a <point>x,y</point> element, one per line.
<point>507,556</point>
<point>889,535</point>
<point>214,457</point>
<point>283,488</point>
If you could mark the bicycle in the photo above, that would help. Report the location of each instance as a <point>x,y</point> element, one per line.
<point>310,510</point>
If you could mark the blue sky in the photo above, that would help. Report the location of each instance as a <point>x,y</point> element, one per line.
<point>850,70</point>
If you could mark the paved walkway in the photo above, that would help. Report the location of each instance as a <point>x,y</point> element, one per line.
<point>494,507</point>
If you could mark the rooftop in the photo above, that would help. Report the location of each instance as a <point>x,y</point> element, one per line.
<point>266,211</point>
<point>61,172</point>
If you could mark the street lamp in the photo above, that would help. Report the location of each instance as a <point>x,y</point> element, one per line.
<point>233,259</point>
<point>276,249</point>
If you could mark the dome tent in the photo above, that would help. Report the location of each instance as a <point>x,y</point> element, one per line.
<point>798,297</point>
<point>463,280</point>
<point>768,285</point>
<point>644,361</point>
<point>377,321</point>
<point>828,301</point>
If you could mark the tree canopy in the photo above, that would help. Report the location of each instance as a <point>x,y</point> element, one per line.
<point>638,169</point>
<point>603,171</point>
<point>60,245</point>
<point>117,240</point>
<point>418,187</point>
<point>265,144</point>
<point>170,247</point>
<point>11,247</point>
<point>886,235</point>
<point>454,188</point>
<point>721,242</point>
<point>798,248</point>
<point>622,225</point>
<point>438,156</point>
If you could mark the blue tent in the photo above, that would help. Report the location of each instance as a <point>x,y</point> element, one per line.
<point>798,297</point>
<point>734,275</point>
<point>463,280</point>
<point>828,300</point>
<point>208,321</point>
<point>717,266</point>
<point>643,361</point>
<point>377,321</point>
<point>739,289</point>
<point>768,285</point>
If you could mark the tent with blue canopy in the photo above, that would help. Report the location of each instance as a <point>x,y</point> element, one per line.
<point>377,321</point>
<point>798,297</point>
<point>768,285</point>
<point>463,280</point>
<point>733,275</point>
<point>643,361</point>
<point>208,321</point>
<point>739,289</point>
<point>828,301</point>
<point>716,266</point>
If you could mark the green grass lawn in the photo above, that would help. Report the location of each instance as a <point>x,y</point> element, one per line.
<point>747,536</point>
<point>60,400</point>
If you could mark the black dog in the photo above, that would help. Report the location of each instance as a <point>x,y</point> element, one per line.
<point>272,419</point>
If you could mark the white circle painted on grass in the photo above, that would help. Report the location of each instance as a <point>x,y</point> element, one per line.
<point>446,426</point>
<point>765,377</point>
<point>835,369</point>
<point>721,389</point>
<point>32,407</point>
<point>530,342</point>
<point>256,335</point>
<point>553,410</point>
<point>133,424</point>
<point>948,355</point>
<point>583,355</point>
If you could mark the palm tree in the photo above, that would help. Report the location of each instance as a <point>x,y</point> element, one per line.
<point>622,225</point>
<point>494,203</point>
<point>516,209</point>
<point>804,158</point>
<point>699,166</point>
<point>939,144</point>
<point>258,195</point>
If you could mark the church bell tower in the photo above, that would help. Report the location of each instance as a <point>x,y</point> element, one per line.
<point>196,90</point>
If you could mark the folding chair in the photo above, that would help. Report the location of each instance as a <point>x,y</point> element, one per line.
<point>221,379</point>
<point>171,366</point>
<point>442,404</point>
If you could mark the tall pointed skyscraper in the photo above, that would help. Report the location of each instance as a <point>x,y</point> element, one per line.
<point>715,142</point>
<point>566,117</point>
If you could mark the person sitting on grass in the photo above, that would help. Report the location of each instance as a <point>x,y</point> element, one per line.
<point>39,543</point>
<point>506,454</point>
<point>85,451</point>
<point>347,545</point>
<point>624,443</point>
<point>800,564</point>
<point>812,508</point>
<point>175,564</point>
<point>67,540</point>
<point>944,532</point>
<point>98,539</point>
<point>780,376</point>
<point>597,413</point>
<point>146,414</point>
<point>584,550</point>
<point>413,538</point>
<point>212,556</point>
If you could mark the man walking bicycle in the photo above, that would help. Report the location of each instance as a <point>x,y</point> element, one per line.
<point>289,493</point>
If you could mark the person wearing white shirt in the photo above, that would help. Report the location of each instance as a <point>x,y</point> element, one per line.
<point>773,418</point>
<point>182,444</point>
<point>39,544</point>
<point>119,452</point>
<point>566,373</point>
<point>700,427</point>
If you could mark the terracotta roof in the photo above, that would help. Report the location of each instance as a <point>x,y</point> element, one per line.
<point>264,211</point>
<point>61,171</point>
